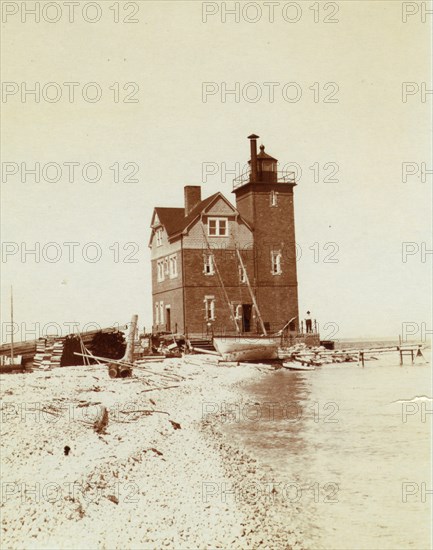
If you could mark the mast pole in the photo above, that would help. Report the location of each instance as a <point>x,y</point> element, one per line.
<point>220,280</point>
<point>12,326</point>
<point>253,298</point>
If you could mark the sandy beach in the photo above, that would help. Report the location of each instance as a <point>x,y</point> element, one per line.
<point>160,474</point>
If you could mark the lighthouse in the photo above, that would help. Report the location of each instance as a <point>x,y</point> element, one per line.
<point>265,199</point>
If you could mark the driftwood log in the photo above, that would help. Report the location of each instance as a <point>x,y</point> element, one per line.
<point>101,422</point>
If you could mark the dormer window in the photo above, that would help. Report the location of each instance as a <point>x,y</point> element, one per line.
<point>218,227</point>
<point>158,234</point>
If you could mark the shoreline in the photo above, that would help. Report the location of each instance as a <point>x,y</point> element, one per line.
<point>150,481</point>
<point>270,522</point>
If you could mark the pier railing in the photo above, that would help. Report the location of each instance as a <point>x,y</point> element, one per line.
<point>285,337</point>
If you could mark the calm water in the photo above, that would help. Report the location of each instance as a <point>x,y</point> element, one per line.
<point>342,425</point>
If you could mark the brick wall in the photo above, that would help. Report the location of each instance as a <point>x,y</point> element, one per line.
<point>278,305</point>
<point>199,285</point>
<point>273,229</point>
<point>174,299</point>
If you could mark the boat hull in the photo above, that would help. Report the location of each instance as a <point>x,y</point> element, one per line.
<point>293,366</point>
<point>246,348</point>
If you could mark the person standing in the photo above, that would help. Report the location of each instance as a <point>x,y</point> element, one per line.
<point>308,323</point>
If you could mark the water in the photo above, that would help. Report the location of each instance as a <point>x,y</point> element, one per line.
<point>338,434</point>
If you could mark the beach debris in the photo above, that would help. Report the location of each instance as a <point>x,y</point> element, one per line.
<point>159,388</point>
<point>49,351</point>
<point>175,425</point>
<point>51,410</point>
<point>67,450</point>
<point>206,351</point>
<point>113,499</point>
<point>119,368</point>
<point>135,414</point>
<point>87,404</point>
<point>156,451</point>
<point>316,356</point>
<point>101,422</point>
<point>123,368</point>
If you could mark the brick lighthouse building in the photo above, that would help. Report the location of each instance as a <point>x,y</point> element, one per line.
<point>264,198</point>
<point>198,282</point>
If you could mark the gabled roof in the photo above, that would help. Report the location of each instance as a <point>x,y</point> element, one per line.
<point>196,211</point>
<point>170,218</point>
<point>175,221</point>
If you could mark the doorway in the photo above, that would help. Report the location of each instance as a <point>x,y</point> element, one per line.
<point>246,317</point>
<point>168,319</point>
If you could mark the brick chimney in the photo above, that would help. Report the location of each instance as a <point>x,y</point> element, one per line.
<point>192,197</point>
<point>253,162</point>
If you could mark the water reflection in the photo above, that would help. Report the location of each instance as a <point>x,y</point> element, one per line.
<point>342,426</point>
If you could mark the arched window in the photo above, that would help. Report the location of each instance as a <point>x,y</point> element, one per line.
<point>276,262</point>
<point>273,199</point>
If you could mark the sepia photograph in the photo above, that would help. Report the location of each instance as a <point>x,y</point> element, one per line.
<point>216,275</point>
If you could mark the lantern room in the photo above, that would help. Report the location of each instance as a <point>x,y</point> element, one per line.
<point>266,167</point>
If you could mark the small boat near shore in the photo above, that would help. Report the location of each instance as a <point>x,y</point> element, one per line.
<point>294,366</point>
<point>246,348</point>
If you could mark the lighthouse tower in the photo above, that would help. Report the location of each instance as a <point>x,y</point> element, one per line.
<point>264,198</point>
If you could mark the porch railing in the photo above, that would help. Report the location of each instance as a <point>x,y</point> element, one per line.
<point>282,177</point>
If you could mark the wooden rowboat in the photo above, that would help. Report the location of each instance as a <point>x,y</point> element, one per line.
<point>294,366</point>
<point>238,348</point>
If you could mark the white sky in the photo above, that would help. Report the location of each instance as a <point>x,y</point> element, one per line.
<point>171,132</point>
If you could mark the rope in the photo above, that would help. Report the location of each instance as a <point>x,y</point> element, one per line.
<point>220,281</point>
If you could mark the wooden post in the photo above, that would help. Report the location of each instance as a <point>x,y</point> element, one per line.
<point>253,298</point>
<point>232,316</point>
<point>129,352</point>
<point>123,368</point>
<point>12,326</point>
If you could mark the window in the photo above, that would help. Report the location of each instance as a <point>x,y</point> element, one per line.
<point>237,311</point>
<point>160,270</point>
<point>274,198</point>
<point>173,267</point>
<point>208,265</point>
<point>218,227</point>
<point>161,313</point>
<point>209,306</point>
<point>276,262</point>
<point>158,233</point>
<point>166,267</point>
<point>242,275</point>
<point>156,313</point>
